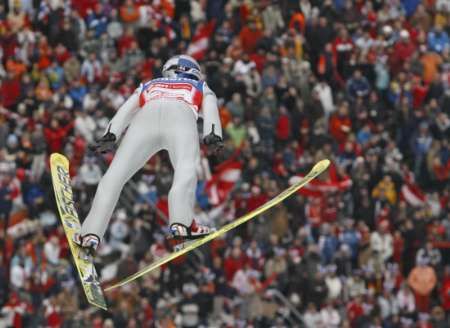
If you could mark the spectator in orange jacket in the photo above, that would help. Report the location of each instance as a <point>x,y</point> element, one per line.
<point>422,279</point>
<point>129,12</point>
<point>297,22</point>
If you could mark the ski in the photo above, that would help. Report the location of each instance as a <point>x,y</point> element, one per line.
<point>318,168</point>
<point>59,166</point>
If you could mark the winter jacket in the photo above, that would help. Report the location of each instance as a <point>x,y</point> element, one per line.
<point>340,126</point>
<point>55,137</point>
<point>272,18</point>
<point>438,41</point>
<point>422,279</point>
<point>358,87</point>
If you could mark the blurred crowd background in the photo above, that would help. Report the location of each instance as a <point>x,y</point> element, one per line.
<point>363,83</point>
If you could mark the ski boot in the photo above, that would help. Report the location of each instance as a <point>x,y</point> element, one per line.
<point>88,243</point>
<point>185,235</point>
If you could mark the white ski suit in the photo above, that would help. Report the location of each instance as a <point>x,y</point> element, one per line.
<point>161,114</point>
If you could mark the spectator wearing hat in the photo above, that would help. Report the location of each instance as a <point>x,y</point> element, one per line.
<point>189,307</point>
<point>403,50</point>
<point>429,254</point>
<point>357,86</point>
<point>381,245</point>
<point>312,318</point>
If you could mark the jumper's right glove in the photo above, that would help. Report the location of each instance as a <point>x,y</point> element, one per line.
<point>104,144</point>
<point>214,142</point>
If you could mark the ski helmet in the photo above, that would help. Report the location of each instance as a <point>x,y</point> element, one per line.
<point>182,66</point>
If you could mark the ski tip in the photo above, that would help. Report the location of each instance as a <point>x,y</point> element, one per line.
<point>55,157</point>
<point>321,166</point>
<point>100,305</point>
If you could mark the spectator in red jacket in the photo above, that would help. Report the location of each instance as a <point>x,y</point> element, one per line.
<point>355,310</point>
<point>56,134</point>
<point>341,124</point>
<point>125,41</point>
<point>403,50</point>
<point>15,312</point>
<point>283,125</point>
<point>445,290</point>
<point>342,49</point>
<point>235,261</point>
<point>250,35</point>
<point>10,91</point>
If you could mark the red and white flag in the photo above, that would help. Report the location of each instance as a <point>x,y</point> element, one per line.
<point>200,41</point>
<point>223,181</point>
<point>318,188</point>
<point>170,33</point>
<point>411,192</point>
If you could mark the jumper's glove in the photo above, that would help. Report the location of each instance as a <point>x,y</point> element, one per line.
<point>104,144</point>
<point>213,142</point>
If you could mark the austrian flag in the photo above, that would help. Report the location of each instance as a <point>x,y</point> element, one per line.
<point>200,42</point>
<point>411,192</point>
<point>319,188</point>
<point>223,181</point>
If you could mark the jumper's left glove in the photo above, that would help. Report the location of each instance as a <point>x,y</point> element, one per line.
<point>104,144</point>
<point>214,142</point>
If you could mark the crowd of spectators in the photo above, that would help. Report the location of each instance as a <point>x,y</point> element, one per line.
<point>363,83</point>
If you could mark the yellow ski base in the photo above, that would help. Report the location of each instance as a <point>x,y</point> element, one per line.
<point>315,171</point>
<point>59,166</point>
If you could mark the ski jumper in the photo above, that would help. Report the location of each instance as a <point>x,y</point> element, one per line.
<point>161,114</point>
